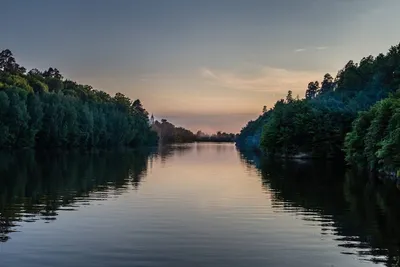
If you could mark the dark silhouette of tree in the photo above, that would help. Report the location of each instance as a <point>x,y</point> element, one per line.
<point>137,107</point>
<point>8,63</point>
<point>327,84</point>
<point>312,90</point>
<point>169,133</point>
<point>289,97</point>
<point>52,73</point>
<point>264,109</point>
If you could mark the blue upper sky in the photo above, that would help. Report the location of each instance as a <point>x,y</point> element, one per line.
<point>201,64</point>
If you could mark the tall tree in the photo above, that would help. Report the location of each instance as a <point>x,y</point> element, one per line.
<point>264,109</point>
<point>289,97</point>
<point>53,73</point>
<point>312,90</point>
<point>8,63</point>
<point>327,84</point>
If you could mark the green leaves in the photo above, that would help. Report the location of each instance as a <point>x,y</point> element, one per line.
<point>41,109</point>
<point>375,137</point>
<point>322,124</point>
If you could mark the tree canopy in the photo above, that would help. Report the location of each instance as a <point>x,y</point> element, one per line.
<point>42,109</point>
<point>334,110</point>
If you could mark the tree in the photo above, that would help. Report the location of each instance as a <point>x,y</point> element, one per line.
<point>54,84</point>
<point>318,125</point>
<point>38,86</point>
<point>101,96</point>
<point>374,140</point>
<point>327,84</point>
<point>4,106</point>
<point>289,97</point>
<point>138,107</point>
<point>312,90</point>
<point>264,109</point>
<point>123,102</point>
<point>8,63</point>
<point>36,73</point>
<point>40,109</point>
<point>52,73</point>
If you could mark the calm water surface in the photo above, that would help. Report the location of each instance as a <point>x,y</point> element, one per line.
<point>191,205</point>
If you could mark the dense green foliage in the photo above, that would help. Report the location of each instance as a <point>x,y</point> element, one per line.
<point>42,109</point>
<point>375,137</point>
<point>306,126</point>
<point>317,125</point>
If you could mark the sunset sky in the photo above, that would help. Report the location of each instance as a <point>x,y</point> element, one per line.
<point>209,65</point>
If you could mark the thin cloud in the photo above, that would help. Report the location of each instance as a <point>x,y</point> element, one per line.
<point>265,79</point>
<point>300,50</point>
<point>208,73</point>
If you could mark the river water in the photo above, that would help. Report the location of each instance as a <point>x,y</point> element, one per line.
<point>191,205</point>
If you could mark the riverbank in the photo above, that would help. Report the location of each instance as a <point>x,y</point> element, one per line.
<point>354,115</point>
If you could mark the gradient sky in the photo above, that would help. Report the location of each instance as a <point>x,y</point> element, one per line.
<point>209,65</point>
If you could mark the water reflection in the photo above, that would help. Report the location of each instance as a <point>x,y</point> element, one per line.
<point>167,151</point>
<point>36,186</point>
<point>192,205</point>
<point>359,212</point>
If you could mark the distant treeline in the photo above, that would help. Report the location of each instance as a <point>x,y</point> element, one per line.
<point>218,137</point>
<point>169,133</point>
<point>42,109</point>
<point>335,118</point>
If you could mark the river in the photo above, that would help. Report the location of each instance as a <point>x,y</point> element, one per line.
<point>191,205</point>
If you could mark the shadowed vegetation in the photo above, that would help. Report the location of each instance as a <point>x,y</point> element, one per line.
<point>317,125</point>
<point>169,133</point>
<point>42,109</point>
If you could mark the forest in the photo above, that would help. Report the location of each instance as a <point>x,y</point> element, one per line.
<point>169,133</point>
<point>217,137</point>
<point>355,115</point>
<point>41,109</point>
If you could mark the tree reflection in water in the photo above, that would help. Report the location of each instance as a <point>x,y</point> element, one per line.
<point>35,186</point>
<point>360,212</point>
